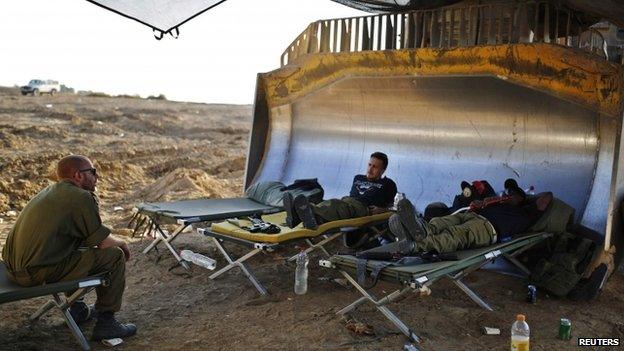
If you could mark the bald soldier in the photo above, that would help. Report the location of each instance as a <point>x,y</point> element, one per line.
<point>59,236</point>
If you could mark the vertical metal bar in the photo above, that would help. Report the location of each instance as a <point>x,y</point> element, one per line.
<point>556,23</point>
<point>568,39</point>
<point>333,25</point>
<point>380,29</point>
<point>425,20</point>
<point>433,39</point>
<point>462,27</point>
<point>324,45</point>
<point>442,23</point>
<point>546,23</point>
<point>389,30</point>
<point>510,29</point>
<point>357,34</point>
<point>365,35</point>
<point>415,30</point>
<point>345,37</point>
<point>451,28</point>
<point>491,29</point>
<point>536,23</point>
<point>499,25</point>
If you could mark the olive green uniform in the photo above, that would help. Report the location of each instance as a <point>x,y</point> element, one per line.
<point>335,209</point>
<point>54,240</point>
<point>456,232</point>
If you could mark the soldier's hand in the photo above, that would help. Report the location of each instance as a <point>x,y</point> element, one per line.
<point>126,250</point>
<point>376,210</point>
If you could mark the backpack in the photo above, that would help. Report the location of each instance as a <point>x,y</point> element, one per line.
<point>562,270</point>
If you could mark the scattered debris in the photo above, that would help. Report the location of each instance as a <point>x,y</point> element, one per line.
<point>112,342</point>
<point>359,327</point>
<point>491,331</point>
<point>118,208</point>
<point>409,347</point>
<point>11,213</point>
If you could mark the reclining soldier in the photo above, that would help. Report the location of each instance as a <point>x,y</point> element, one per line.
<point>488,221</point>
<point>370,194</point>
<point>59,236</point>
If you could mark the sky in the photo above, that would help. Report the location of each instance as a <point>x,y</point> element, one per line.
<point>215,59</point>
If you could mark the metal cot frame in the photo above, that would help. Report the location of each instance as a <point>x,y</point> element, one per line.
<point>257,247</point>
<point>10,292</point>
<point>421,282</point>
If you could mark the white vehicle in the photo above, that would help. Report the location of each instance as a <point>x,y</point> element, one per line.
<point>37,86</point>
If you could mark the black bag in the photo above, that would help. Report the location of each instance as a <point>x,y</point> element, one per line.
<point>562,270</point>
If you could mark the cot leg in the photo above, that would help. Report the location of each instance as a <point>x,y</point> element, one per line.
<point>64,306</point>
<point>518,264</point>
<point>42,310</point>
<point>319,245</point>
<point>239,263</point>
<point>473,296</point>
<point>167,239</point>
<point>139,224</point>
<point>380,306</point>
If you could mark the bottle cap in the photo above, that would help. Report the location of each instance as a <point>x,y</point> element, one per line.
<point>520,318</point>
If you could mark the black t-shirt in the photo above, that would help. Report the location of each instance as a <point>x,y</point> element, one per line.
<point>510,220</point>
<point>378,193</point>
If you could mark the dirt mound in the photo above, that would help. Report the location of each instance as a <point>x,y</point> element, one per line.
<point>184,183</point>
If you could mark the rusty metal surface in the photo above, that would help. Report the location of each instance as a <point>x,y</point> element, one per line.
<point>568,73</point>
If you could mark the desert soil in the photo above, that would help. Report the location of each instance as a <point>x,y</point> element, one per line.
<point>155,150</point>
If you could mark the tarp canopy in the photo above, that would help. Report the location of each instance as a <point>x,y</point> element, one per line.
<point>612,10</point>
<point>164,16</point>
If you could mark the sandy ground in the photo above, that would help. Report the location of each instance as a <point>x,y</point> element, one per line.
<point>149,150</point>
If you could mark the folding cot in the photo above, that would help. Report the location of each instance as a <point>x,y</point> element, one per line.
<point>185,213</point>
<point>10,292</point>
<point>233,231</point>
<point>421,276</point>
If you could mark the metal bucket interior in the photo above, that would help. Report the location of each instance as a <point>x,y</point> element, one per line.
<point>438,131</point>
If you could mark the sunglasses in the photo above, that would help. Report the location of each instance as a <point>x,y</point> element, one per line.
<point>92,170</point>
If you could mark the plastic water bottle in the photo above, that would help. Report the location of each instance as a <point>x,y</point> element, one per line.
<point>198,259</point>
<point>301,273</point>
<point>520,334</point>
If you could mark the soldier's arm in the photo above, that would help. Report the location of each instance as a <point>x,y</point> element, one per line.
<point>88,221</point>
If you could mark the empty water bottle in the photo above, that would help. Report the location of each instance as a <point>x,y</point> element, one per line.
<point>198,259</point>
<point>301,273</point>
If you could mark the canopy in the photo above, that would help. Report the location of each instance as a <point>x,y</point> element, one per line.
<point>164,16</point>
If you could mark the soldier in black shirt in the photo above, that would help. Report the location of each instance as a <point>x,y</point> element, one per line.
<point>370,194</point>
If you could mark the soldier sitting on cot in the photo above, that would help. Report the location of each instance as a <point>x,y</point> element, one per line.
<point>370,194</point>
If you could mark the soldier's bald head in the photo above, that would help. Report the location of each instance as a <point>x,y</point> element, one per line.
<point>71,164</point>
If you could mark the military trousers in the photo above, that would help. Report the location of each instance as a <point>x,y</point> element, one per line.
<point>456,232</point>
<point>81,264</point>
<point>335,209</point>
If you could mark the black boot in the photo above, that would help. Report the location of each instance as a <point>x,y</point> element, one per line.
<point>107,327</point>
<point>397,228</point>
<point>407,215</point>
<point>292,219</point>
<point>304,211</point>
<point>81,312</point>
